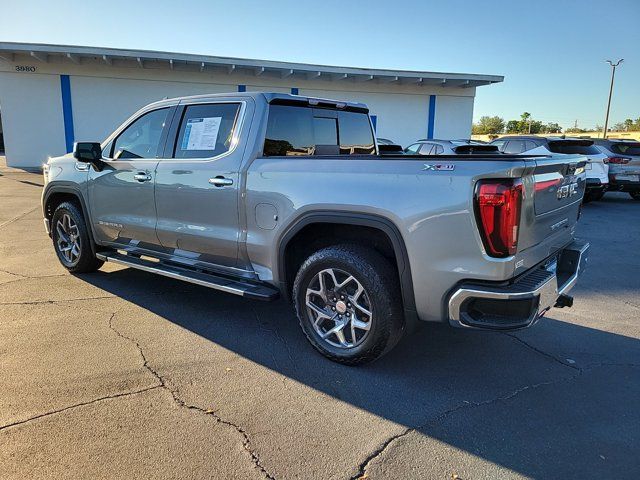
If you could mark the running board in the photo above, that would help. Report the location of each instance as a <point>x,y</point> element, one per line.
<point>246,289</point>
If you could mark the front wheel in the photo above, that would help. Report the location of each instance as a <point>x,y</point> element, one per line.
<point>71,240</point>
<point>348,302</point>
<point>635,195</point>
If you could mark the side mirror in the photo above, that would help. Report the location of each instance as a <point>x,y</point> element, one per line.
<point>87,152</point>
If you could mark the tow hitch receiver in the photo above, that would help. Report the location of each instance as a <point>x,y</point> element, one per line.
<point>564,301</point>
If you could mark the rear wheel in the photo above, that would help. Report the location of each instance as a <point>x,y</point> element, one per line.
<point>635,195</point>
<point>71,239</point>
<point>348,303</point>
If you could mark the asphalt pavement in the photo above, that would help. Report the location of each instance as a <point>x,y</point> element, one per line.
<point>122,374</point>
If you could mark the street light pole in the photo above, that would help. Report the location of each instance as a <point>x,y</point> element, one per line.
<point>613,75</point>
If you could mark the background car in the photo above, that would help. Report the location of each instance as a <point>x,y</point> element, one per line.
<point>449,147</point>
<point>597,169</point>
<point>389,147</point>
<point>623,157</point>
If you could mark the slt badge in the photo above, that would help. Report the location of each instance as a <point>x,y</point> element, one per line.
<point>439,166</point>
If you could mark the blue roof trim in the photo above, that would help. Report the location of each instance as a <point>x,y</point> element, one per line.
<point>432,116</point>
<point>67,112</point>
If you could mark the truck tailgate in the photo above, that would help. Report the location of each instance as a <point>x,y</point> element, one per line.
<point>554,188</point>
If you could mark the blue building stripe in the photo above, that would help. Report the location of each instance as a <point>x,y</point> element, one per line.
<point>432,116</point>
<point>374,122</point>
<point>294,91</point>
<point>67,112</point>
<point>242,88</point>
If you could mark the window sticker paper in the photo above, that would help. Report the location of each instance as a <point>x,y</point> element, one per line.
<point>201,133</point>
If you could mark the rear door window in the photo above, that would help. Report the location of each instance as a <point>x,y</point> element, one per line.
<point>206,130</point>
<point>514,147</point>
<point>426,149</point>
<point>529,145</point>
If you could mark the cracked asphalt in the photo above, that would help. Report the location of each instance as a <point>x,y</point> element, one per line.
<point>121,374</point>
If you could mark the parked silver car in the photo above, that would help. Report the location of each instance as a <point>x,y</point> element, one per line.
<point>596,168</point>
<point>623,157</point>
<point>449,147</point>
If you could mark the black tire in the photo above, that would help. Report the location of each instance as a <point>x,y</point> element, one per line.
<point>380,282</point>
<point>635,195</point>
<point>86,261</point>
<point>596,196</point>
<point>587,197</point>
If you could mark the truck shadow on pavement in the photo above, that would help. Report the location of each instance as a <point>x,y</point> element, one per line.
<point>559,400</point>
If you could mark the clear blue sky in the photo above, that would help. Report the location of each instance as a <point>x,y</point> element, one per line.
<point>551,52</point>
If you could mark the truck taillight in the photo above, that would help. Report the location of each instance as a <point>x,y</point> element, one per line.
<point>617,160</point>
<point>498,205</point>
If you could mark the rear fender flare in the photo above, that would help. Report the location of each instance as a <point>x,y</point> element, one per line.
<point>353,218</point>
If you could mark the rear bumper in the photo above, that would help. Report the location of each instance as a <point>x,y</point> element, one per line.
<point>595,185</point>
<point>622,184</point>
<point>523,301</point>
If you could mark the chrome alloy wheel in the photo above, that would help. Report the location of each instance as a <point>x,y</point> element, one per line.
<point>339,308</point>
<point>68,240</point>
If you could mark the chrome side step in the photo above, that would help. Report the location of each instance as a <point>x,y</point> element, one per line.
<point>240,287</point>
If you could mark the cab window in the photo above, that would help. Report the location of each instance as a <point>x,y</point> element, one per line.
<point>141,139</point>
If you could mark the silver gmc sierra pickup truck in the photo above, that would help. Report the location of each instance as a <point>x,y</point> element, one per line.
<point>261,194</point>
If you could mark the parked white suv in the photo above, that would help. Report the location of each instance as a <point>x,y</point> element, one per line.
<point>596,168</point>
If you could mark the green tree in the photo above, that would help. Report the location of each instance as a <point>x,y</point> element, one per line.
<point>551,128</point>
<point>488,126</point>
<point>525,125</point>
<point>575,130</point>
<point>513,126</point>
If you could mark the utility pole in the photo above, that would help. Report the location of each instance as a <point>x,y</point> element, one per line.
<point>613,75</point>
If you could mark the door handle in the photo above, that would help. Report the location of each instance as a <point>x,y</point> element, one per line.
<point>142,177</point>
<point>220,181</point>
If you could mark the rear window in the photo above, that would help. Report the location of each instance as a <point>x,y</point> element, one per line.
<point>355,133</point>
<point>626,148</point>
<point>573,147</point>
<point>307,131</point>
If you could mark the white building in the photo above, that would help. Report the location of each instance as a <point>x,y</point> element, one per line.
<point>53,95</point>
